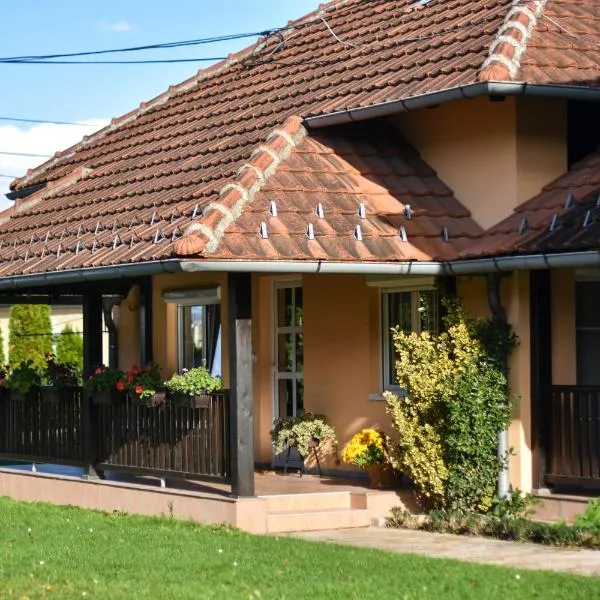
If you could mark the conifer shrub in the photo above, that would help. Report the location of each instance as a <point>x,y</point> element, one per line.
<point>30,334</point>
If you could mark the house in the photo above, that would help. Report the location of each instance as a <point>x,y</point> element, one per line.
<point>292,203</point>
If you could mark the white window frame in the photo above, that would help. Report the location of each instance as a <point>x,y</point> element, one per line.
<point>386,326</point>
<point>188,298</point>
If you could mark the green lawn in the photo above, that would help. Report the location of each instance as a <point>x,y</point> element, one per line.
<point>56,552</point>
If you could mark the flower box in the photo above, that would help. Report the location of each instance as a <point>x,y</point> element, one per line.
<point>16,396</point>
<point>155,399</point>
<point>108,396</point>
<point>191,400</point>
<point>55,394</point>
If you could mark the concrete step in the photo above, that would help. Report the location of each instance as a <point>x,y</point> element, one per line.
<point>314,520</point>
<point>558,507</point>
<point>308,502</point>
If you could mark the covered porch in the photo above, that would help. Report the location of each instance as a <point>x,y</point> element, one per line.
<point>566,379</point>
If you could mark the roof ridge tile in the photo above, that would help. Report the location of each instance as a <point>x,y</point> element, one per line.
<point>204,237</point>
<point>504,57</point>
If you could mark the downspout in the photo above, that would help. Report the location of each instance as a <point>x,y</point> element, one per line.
<point>493,289</point>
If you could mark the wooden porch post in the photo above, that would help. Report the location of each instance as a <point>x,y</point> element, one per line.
<point>146,334</point>
<point>92,356</point>
<point>240,377</point>
<point>92,330</point>
<point>540,294</point>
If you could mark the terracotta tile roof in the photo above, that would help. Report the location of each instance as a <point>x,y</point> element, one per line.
<point>128,192</point>
<point>564,47</point>
<point>563,217</point>
<point>357,192</point>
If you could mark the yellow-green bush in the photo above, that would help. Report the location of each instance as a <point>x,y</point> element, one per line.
<point>456,405</point>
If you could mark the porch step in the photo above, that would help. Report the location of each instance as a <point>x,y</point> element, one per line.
<point>314,520</point>
<point>558,507</point>
<point>279,503</point>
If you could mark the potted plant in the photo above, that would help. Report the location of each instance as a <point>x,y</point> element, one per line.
<point>368,450</point>
<point>3,380</point>
<point>106,385</point>
<point>304,432</point>
<point>59,381</point>
<point>193,387</point>
<point>24,381</point>
<point>143,386</point>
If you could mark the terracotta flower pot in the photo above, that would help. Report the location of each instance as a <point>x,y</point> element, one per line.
<point>375,475</point>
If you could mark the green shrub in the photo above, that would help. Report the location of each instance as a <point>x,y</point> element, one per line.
<point>30,334</point>
<point>457,403</point>
<point>510,528</point>
<point>515,504</point>
<point>590,519</point>
<point>69,347</point>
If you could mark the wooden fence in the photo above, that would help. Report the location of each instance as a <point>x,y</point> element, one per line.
<point>167,440</point>
<point>572,436</point>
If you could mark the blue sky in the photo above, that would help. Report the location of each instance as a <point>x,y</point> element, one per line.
<point>96,93</point>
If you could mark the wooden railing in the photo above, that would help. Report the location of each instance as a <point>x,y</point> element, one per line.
<point>165,440</point>
<point>33,430</point>
<point>572,436</point>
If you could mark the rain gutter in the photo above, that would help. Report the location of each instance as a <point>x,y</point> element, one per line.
<point>503,264</point>
<point>92,274</point>
<point>465,92</point>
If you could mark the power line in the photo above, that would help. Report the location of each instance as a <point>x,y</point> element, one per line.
<point>44,121</point>
<point>113,62</point>
<point>196,42</point>
<point>9,176</point>
<point>26,154</point>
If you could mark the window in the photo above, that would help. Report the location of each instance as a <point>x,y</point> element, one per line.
<point>198,327</point>
<point>415,310</point>
<point>588,332</point>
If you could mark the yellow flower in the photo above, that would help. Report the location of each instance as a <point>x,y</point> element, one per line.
<point>365,449</point>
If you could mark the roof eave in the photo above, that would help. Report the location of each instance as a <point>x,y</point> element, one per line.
<point>465,92</point>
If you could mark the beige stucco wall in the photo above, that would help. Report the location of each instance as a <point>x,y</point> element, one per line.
<point>494,155</point>
<point>515,299</point>
<point>341,361</point>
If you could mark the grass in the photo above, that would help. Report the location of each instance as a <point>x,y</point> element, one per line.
<point>64,552</point>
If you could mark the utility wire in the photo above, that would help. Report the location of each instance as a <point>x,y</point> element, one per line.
<point>9,176</point>
<point>26,154</point>
<point>212,40</point>
<point>113,62</point>
<point>18,120</point>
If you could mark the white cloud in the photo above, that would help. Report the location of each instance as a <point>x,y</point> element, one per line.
<point>118,26</point>
<point>45,138</point>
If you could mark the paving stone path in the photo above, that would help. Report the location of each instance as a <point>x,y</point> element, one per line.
<point>482,550</point>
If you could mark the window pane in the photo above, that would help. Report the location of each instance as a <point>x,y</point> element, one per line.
<point>299,321</point>
<point>400,310</point>
<point>286,397</point>
<point>285,352</point>
<point>284,307</point>
<point>299,353</point>
<point>588,357</point>
<point>299,395</point>
<point>199,332</point>
<point>428,311</point>
<point>588,303</point>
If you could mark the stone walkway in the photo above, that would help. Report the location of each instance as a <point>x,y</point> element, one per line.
<point>483,550</point>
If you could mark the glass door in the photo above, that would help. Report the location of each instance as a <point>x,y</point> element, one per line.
<point>288,352</point>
